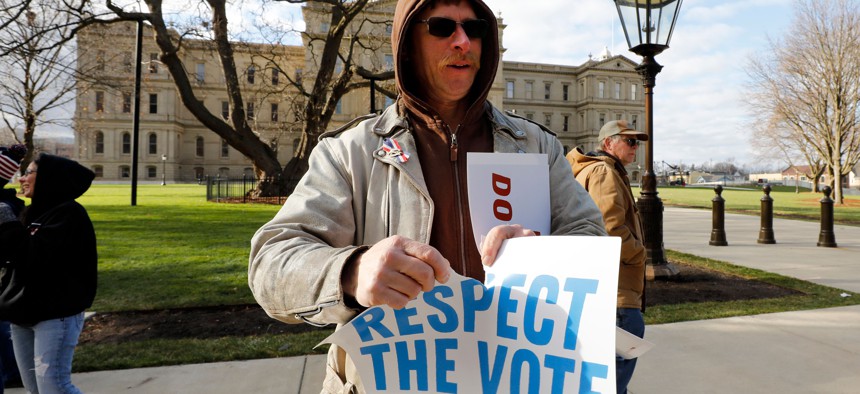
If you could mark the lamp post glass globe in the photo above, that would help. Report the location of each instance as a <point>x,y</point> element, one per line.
<point>648,22</point>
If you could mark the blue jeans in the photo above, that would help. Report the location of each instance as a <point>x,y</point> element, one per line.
<point>630,320</point>
<point>8,366</point>
<point>44,353</point>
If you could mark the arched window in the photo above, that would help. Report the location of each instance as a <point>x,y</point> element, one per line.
<point>153,143</point>
<point>151,172</point>
<point>251,71</point>
<point>198,173</point>
<point>199,146</point>
<point>223,172</point>
<point>124,172</point>
<point>99,171</point>
<point>100,142</point>
<point>126,143</point>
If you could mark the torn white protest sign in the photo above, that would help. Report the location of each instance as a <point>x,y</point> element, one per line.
<point>545,323</point>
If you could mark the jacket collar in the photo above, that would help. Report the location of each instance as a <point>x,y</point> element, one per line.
<point>611,158</point>
<point>391,121</point>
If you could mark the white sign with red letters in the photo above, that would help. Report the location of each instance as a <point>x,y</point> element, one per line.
<point>508,188</point>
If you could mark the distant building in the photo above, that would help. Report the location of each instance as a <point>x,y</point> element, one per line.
<point>800,176</point>
<point>769,178</point>
<point>717,178</point>
<point>854,177</point>
<point>58,146</point>
<point>576,101</point>
<point>572,100</point>
<point>64,147</point>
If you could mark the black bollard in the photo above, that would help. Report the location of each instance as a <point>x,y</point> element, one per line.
<point>765,235</point>
<point>718,234</point>
<point>827,238</point>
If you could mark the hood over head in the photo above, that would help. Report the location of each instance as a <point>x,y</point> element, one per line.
<point>59,180</point>
<point>405,17</point>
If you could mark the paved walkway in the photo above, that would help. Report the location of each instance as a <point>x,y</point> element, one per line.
<point>796,352</point>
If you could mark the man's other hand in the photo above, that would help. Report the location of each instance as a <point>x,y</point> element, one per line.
<point>393,271</point>
<point>493,241</point>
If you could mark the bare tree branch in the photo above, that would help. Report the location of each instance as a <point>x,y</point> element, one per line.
<point>334,56</point>
<point>807,87</point>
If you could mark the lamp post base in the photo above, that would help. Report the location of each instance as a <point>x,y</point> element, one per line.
<point>651,212</point>
<point>665,270</point>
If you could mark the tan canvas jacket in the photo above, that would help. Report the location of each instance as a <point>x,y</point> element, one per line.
<point>610,189</point>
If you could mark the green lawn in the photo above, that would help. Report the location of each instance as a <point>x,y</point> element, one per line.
<point>174,249</point>
<point>786,202</point>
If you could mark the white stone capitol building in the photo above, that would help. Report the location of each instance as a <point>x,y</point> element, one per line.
<point>572,100</point>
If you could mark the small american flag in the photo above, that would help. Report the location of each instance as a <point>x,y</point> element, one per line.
<point>393,149</point>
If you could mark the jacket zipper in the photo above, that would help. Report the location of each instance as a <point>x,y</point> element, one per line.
<point>454,144</point>
<point>458,198</point>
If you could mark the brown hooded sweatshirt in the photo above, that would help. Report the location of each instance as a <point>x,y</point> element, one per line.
<point>443,146</point>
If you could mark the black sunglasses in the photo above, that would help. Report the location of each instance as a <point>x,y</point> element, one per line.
<point>444,27</point>
<point>631,142</point>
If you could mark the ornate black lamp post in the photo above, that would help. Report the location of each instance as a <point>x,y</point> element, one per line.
<point>648,26</point>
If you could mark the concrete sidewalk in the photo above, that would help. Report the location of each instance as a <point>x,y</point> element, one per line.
<point>290,375</point>
<point>795,352</point>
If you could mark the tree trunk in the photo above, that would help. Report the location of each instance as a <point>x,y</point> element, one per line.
<point>815,188</point>
<point>29,130</point>
<point>837,185</point>
<point>293,172</point>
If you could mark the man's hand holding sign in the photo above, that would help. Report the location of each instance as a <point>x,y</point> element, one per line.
<point>394,271</point>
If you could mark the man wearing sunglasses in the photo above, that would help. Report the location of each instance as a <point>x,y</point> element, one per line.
<point>604,176</point>
<point>383,212</point>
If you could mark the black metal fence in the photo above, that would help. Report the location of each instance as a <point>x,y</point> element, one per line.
<point>239,190</point>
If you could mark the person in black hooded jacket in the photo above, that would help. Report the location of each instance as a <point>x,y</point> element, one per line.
<point>53,273</point>
<point>10,208</point>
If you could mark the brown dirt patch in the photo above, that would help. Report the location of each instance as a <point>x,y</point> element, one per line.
<point>695,284</point>
<point>203,323</point>
<point>692,285</point>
